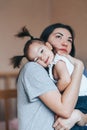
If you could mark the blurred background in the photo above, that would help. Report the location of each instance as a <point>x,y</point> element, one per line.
<point>36,15</point>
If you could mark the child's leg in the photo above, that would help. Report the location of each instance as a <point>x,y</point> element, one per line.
<point>82,104</point>
<point>85,72</point>
<point>76,127</point>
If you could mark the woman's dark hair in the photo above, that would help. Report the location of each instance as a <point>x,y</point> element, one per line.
<point>16,60</point>
<point>48,30</point>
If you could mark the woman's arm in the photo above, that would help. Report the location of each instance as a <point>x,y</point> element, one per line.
<point>76,117</point>
<point>64,104</point>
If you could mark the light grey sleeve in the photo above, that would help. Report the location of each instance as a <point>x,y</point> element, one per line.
<point>37,81</point>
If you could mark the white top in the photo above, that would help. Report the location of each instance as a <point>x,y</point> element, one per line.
<point>70,67</point>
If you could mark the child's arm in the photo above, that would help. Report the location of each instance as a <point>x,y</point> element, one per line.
<point>62,75</point>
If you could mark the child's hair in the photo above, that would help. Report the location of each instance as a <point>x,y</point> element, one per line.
<point>16,60</point>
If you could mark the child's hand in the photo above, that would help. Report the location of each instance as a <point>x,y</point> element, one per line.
<point>74,61</point>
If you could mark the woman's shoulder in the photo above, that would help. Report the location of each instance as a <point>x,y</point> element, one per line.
<point>33,67</point>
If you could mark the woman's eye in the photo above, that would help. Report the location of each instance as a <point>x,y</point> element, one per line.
<point>70,41</point>
<point>58,36</point>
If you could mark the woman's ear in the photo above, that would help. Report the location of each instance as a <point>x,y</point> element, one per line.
<point>49,45</point>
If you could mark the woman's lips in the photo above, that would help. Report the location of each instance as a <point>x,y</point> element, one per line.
<point>63,50</point>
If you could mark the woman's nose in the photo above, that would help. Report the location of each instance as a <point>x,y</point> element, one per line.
<point>64,43</point>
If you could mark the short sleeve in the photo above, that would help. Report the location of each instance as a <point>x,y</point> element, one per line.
<point>37,81</point>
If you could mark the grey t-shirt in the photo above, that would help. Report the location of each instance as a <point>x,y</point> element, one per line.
<point>32,112</point>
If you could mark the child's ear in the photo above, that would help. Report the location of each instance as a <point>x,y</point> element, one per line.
<point>49,45</point>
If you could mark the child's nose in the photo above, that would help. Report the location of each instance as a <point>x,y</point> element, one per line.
<point>42,57</point>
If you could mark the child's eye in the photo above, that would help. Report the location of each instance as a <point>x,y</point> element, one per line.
<point>42,51</point>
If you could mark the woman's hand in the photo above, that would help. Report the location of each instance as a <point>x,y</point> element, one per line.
<point>62,124</point>
<point>66,124</point>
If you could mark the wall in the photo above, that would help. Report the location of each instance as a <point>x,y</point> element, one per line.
<point>74,13</point>
<point>15,14</point>
<point>36,14</point>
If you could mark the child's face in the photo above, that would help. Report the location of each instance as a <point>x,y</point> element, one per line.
<point>40,53</point>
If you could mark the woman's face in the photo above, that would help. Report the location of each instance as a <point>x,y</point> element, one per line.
<point>61,40</point>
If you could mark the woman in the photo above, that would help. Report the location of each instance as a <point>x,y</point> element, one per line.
<point>38,97</point>
<point>61,37</point>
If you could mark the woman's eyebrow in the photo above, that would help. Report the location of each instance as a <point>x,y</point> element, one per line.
<point>63,35</point>
<point>59,33</point>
